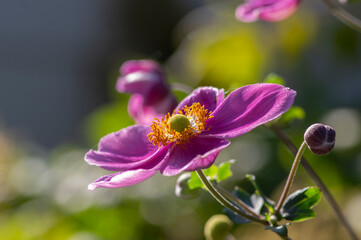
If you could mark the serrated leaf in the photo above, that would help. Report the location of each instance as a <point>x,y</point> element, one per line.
<point>214,174</point>
<point>297,206</point>
<point>224,171</point>
<point>211,172</point>
<point>194,181</point>
<point>274,78</point>
<point>280,230</point>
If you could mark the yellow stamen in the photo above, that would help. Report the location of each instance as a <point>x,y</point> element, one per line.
<point>180,127</point>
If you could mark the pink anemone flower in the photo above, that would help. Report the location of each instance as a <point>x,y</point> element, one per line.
<point>151,95</point>
<point>267,10</point>
<point>191,137</point>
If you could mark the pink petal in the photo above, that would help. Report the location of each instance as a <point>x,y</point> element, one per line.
<point>140,65</point>
<point>122,179</point>
<point>199,153</point>
<point>145,114</point>
<point>267,10</point>
<point>249,107</point>
<point>210,97</point>
<point>126,149</point>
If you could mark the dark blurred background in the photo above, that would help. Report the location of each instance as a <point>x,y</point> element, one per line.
<point>56,57</point>
<point>59,62</point>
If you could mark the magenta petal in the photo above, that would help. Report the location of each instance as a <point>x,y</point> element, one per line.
<point>267,10</point>
<point>140,65</point>
<point>122,179</point>
<point>125,149</point>
<point>210,97</point>
<point>248,107</point>
<point>145,114</point>
<point>199,153</point>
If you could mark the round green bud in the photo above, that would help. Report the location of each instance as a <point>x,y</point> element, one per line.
<point>217,227</point>
<point>178,123</point>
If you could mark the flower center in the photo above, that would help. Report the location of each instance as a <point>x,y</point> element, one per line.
<point>179,127</point>
<point>178,123</point>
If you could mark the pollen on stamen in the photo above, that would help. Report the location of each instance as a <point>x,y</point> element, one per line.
<point>162,134</point>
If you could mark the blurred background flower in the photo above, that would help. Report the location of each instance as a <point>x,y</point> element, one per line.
<point>59,63</point>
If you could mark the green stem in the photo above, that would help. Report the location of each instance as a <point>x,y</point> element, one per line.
<point>290,178</point>
<point>223,201</point>
<point>238,202</point>
<point>343,15</point>
<point>319,183</point>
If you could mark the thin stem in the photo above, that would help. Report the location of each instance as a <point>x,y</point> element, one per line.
<point>319,183</point>
<point>223,201</point>
<point>290,178</point>
<point>237,201</point>
<point>343,15</point>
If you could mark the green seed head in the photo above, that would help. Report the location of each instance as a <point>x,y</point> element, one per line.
<point>217,227</point>
<point>178,122</point>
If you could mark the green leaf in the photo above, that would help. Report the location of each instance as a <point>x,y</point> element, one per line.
<point>224,171</point>
<point>211,172</point>
<point>280,230</point>
<point>268,202</point>
<point>274,78</point>
<point>194,181</point>
<point>214,174</point>
<point>244,197</point>
<point>297,206</point>
<point>295,112</point>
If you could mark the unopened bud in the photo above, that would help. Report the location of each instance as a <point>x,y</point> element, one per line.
<point>182,189</point>
<point>320,138</point>
<point>217,227</point>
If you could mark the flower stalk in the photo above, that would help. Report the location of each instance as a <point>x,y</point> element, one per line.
<point>224,202</point>
<point>319,183</point>
<point>238,201</point>
<point>290,178</point>
<point>343,15</point>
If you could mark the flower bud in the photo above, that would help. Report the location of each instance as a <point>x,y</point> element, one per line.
<point>217,227</point>
<point>267,10</point>
<point>182,189</point>
<point>151,95</point>
<point>320,138</point>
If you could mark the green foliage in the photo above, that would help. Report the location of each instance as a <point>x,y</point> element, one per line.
<point>182,188</point>
<point>224,171</point>
<point>297,206</point>
<point>274,78</point>
<point>213,173</point>
<point>253,201</point>
<point>295,112</point>
<point>268,202</point>
<point>280,230</point>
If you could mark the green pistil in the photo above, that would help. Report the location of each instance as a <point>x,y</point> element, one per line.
<point>178,123</point>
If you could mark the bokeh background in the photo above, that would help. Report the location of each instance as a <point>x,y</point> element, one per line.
<point>59,62</point>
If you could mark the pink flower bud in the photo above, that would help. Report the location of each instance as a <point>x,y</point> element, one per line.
<point>151,95</point>
<point>267,10</point>
<point>320,138</point>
